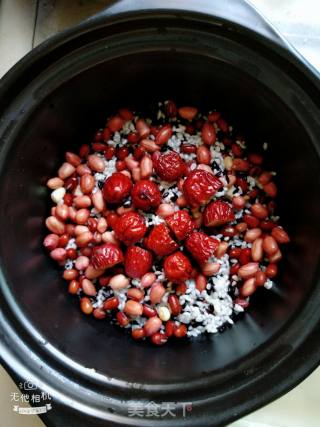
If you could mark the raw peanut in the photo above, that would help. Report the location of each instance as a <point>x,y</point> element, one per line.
<point>81,263</point>
<point>97,237</point>
<point>270,189</point>
<point>270,245</point>
<point>248,270</point>
<point>238,202</point>
<point>82,216</point>
<point>136,174</point>
<point>210,268</point>
<point>126,114</point>
<point>152,325</point>
<point>102,225</point>
<point>248,287</point>
<point>55,183</point>
<point>73,287</point>
<point>276,257</point>
<point>264,178</point>
<point>92,273</point>
<point>222,249</point>
<point>121,210</point>
<point>58,254</point>
<point>164,134</point>
<point>70,229</point>
<point>98,201</point>
<point>280,235</point>
<point>82,202</point>
<point>84,239</point>
<point>260,278</point>
<point>165,209</point>
<point>126,173</point>
<point>115,123</point>
<point>164,313</point>
<point>109,237</point>
<point>180,331</point>
<point>122,319</point>
<point>83,170</point>
<point>203,155</point>
<point>156,293</point>
<point>62,212</point>
<point>188,113</point>
<point>133,308</point>
<point>95,163</point>
<point>146,167</point>
<point>135,294</point>
<point>73,159</point>
<point>240,165</point>
<point>111,303</point>
<point>54,225</point>
<point>208,133</point>
<point>259,211</point>
<point>201,282</point>
<point>137,333</point>
<point>271,270</point>
<point>72,212</point>
<point>257,250</point>
<point>148,279</point>
<point>119,281</point>
<point>70,274</point>
<point>142,128</point>
<point>87,183</point>
<point>149,145</point>
<point>131,163</point>
<point>256,159</point>
<point>228,163</point>
<point>88,287</point>
<point>174,305</point>
<point>86,305</point>
<point>79,229</point>
<point>252,234</point>
<point>51,241</point>
<point>66,170</point>
<point>251,221</point>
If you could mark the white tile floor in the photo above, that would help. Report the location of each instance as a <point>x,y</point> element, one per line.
<point>26,23</point>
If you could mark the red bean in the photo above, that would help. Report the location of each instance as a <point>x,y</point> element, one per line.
<point>84,150</point>
<point>73,287</point>
<point>159,338</point>
<point>214,116</point>
<point>111,303</point>
<point>267,225</point>
<point>265,177</point>
<point>174,304</point>
<point>223,125</point>
<point>260,278</point>
<point>256,159</point>
<point>234,269</point>
<point>71,253</point>
<point>149,311</point>
<point>92,224</point>
<point>171,109</point>
<point>241,227</point>
<point>122,319</point>
<point>271,270</point>
<point>99,146</point>
<point>169,329</point>
<point>181,289</point>
<point>236,150</point>
<point>252,221</point>
<point>245,256</point>
<point>280,235</point>
<point>188,148</point>
<point>70,274</point>
<point>115,123</point>
<point>180,331</point>
<point>235,252</point>
<point>137,333</point>
<point>152,325</point>
<point>86,305</point>
<point>51,241</point>
<point>99,314</point>
<point>110,152</point>
<point>270,245</point>
<point>270,189</point>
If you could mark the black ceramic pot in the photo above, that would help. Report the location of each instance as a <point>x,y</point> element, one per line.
<point>196,52</point>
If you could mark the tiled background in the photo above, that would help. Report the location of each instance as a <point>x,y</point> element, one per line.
<point>26,23</point>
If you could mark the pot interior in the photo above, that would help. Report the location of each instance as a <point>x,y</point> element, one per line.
<point>63,108</point>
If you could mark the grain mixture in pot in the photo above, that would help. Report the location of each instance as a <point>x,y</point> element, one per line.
<point>165,225</point>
